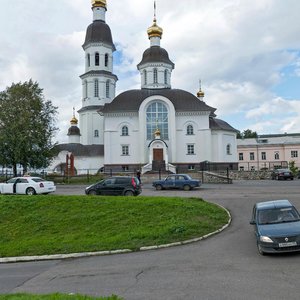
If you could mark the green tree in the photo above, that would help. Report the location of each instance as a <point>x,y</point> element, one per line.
<point>293,168</point>
<point>246,134</point>
<point>27,127</point>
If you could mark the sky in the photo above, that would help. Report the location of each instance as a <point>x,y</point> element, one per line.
<point>245,52</point>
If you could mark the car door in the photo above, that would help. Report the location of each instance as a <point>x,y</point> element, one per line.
<point>108,187</point>
<point>8,187</point>
<point>170,182</point>
<point>22,185</point>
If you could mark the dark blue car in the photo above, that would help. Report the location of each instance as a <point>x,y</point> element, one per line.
<point>177,181</point>
<point>277,226</point>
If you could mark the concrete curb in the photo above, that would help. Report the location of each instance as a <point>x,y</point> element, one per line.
<point>101,253</point>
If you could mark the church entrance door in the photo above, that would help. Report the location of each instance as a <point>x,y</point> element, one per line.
<point>158,162</point>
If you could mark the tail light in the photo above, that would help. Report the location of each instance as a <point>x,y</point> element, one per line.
<point>41,185</point>
<point>133,182</point>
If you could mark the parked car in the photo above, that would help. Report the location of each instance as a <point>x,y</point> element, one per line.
<point>117,185</point>
<point>276,226</point>
<point>27,185</point>
<point>282,174</point>
<point>177,181</point>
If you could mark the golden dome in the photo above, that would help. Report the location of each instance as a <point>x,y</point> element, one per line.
<point>99,3</point>
<point>74,121</point>
<point>200,94</point>
<point>154,30</point>
<point>157,132</point>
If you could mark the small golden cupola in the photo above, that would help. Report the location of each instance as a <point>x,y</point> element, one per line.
<point>154,30</point>
<point>200,93</point>
<point>99,3</point>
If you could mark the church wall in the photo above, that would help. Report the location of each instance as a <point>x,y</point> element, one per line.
<point>220,140</point>
<point>89,122</point>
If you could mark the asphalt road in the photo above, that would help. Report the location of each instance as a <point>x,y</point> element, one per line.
<point>225,266</point>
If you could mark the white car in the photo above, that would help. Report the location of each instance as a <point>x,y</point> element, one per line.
<point>27,185</point>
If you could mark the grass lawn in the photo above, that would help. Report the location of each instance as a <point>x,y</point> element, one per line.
<point>53,224</point>
<point>54,297</point>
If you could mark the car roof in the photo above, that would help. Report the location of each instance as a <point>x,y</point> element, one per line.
<point>273,204</point>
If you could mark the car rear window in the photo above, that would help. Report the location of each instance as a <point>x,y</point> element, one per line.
<point>37,179</point>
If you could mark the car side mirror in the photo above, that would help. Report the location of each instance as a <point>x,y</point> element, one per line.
<point>252,222</point>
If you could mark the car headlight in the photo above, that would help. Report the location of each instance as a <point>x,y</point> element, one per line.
<point>265,239</point>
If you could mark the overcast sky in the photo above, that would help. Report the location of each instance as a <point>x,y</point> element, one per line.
<point>246,53</point>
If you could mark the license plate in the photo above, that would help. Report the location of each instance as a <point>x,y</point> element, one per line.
<point>289,244</point>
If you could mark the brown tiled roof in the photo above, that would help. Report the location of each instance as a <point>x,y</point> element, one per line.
<point>98,32</point>
<point>156,54</point>
<point>132,99</point>
<point>82,150</point>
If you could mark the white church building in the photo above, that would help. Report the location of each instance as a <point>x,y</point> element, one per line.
<point>152,128</point>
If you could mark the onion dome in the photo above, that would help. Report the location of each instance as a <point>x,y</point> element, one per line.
<point>74,130</point>
<point>200,94</point>
<point>154,30</point>
<point>156,54</point>
<point>99,3</point>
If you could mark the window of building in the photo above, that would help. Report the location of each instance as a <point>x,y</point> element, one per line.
<point>125,150</point>
<point>157,118</point>
<point>276,155</point>
<point>228,149</point>
<point>85,89</point>
<point>125,168</point>
<point>190,130</point>
<point>251,155</point>
<point>89,60</point>
<point>145,77</point>
<point>191,167</point>
<point>124,131</point>
<point>252,168</point>
<point>107,89</point>
<point>97,59</point>
<point>241,156</point>
<point>106,60</point>
<point>263,155</point>
<point>96,88</point>
<point>166,76</point>
<point>190,149</point>
<point>155,75</point>
<point>96,133</point>
<point>242,168</point>
<point>294,154</point>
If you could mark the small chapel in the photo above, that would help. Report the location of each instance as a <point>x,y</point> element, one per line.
<point>154,128</point>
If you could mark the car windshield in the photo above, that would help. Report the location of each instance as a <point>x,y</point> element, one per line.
<point>278,215</point>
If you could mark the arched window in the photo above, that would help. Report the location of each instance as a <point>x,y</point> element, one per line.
<point>166,76</point>
<point>190,130</point>
<point>85,89</point>
<point>96,88</point>
<point>106,60</point>
<point>96,133</point>
<point>97,59</point>
<point>89,60</point>
<point>276,156</point>
<point>157,118</point>
<point>145,77</point>
<point>107,89</point>
<point>155,75</point>
<point>228,149</point>
<point>124,131</point>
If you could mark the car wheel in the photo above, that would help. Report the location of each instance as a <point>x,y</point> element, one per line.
<point>292,178</point>
<point>30,191</point>
<point>186,187</point>
<point>92,192</point>
<point>260,250</point>
<point>158,187</point>
<point>128,193</point>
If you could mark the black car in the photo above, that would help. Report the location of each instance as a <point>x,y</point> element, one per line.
<point>277,226</point>
<point>280,174</point>
<point>117,185</point>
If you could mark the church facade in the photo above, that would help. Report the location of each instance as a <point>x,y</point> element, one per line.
<point>152,128</point>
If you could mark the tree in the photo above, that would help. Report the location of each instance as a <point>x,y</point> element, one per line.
<point>27,127</point>
<point>293,167</point>
<point>246,134</point>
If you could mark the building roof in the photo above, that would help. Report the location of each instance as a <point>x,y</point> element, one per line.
<point>82,150</point>
<point>155,54</point>
<point>90,107</point>
<point>270,139</point>
<point>218,124</point>
<point>98,32</point>
<point>74,130</point>
<point>97,73</point>
<point>132,99</point>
